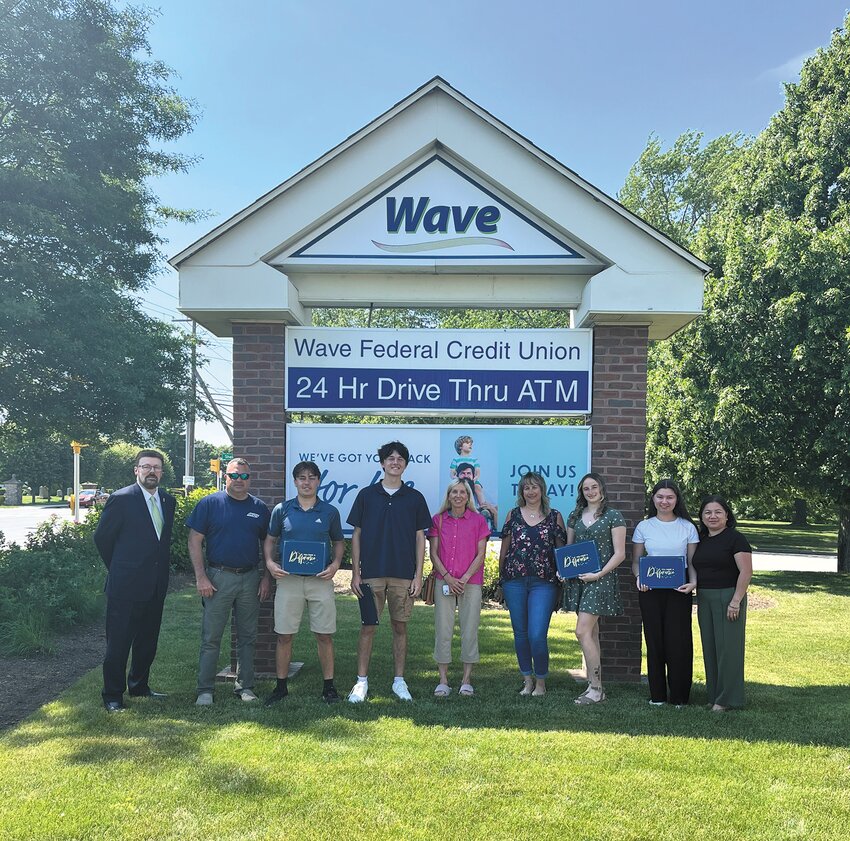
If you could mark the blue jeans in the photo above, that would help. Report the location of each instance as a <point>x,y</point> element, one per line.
<point>530,601</point>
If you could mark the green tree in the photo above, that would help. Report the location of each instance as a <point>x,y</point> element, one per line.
<point>172,442</point>
<point>83,108</point>
<point>36,462</point>
<point>757,390</point>
<point>784,299</point>
<point>379,317</point>
<point>680,191</point>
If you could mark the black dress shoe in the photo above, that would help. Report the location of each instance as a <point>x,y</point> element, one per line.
<point>148,693</point>
<point>114,706</point>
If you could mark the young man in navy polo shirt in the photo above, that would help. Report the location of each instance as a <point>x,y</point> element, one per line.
<point>306,517</point>
<point>387,551</point>
<point>233,523</point>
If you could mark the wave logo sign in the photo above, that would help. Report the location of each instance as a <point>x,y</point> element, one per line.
<point>414,215</point>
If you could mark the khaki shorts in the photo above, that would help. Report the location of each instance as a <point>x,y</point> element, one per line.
<point>396,593</point>
<point>293,592</point>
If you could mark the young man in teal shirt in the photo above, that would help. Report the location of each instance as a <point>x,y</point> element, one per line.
<point>304,518</point>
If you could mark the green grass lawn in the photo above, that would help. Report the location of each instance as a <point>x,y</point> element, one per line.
<point>492,766</point>
<point>769,536</point>
<point>27,501</point>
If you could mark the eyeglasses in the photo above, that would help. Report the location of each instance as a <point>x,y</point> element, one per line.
<point>236,476</point>
<point>150,468</point>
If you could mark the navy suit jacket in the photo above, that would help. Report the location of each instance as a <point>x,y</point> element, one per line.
<point>138,561</point>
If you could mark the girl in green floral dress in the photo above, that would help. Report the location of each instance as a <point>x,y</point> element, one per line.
<point>595,594</point>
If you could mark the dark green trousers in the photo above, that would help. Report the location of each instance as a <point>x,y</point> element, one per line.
<point>722,646</point>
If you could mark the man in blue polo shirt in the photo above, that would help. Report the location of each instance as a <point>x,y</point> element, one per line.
<point>233,523</point>
<point>307,518</point>
<point>387,551</point>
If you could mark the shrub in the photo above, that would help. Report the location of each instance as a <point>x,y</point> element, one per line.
<point>180,535</point>
<point>491,570</point>
<point>53,584</point>
<point>56,581</point>
<point>27,633</point>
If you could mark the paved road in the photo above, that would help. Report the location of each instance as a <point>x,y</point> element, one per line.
<point>795,563</point>
<point>16,523</point>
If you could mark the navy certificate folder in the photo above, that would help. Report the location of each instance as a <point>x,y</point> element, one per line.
<point>662,572</point>
<point>368,609</point>
<point>303,557</point>
<point>577,559</point>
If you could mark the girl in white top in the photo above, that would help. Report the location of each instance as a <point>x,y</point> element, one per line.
<point>666,614</point>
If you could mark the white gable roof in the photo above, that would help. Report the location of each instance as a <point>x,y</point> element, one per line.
<point>416,191</point>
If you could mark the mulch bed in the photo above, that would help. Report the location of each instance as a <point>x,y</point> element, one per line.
<point>32,681</point>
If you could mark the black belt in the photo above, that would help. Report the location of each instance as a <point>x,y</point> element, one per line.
<point>234,570</point>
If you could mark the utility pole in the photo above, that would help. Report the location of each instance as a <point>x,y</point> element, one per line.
<point>76,446</point>
<point>193,407</point>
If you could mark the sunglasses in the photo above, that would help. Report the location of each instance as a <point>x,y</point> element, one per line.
<point>236,476</point>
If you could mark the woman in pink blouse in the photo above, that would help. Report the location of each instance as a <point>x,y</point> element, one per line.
<point>458,541</point>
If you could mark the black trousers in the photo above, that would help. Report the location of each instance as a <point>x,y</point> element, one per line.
<point>130,626</point>
<point>666,618</point>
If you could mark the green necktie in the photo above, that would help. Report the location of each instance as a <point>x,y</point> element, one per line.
<point>157,517</point>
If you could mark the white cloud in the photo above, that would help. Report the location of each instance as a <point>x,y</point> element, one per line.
<point>789,71</point>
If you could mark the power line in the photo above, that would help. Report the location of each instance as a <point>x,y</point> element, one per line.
<point>225,386</point>
<point>155,309</point>
<point>227,428</point>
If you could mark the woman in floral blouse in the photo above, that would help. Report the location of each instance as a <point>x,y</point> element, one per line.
<point>527,569</point>
<point>595,594</point>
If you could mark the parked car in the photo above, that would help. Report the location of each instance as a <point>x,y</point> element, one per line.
<point>90,497</point>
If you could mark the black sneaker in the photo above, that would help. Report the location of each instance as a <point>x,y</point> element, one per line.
<point>275,697</point>
<point>330,695</point>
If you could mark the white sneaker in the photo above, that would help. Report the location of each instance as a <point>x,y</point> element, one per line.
<point>401,690</point>
<point>359,692</point>
<point>246,695</point>
<point>205,699</point>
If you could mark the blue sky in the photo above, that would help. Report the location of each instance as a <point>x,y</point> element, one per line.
<point>279,83</point>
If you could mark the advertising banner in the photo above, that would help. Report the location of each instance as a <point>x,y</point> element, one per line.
<point>493,459</point>
<point>439,372</point>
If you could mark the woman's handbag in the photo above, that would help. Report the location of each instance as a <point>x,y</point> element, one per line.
<point>430,582</point>
<point>428,587</point>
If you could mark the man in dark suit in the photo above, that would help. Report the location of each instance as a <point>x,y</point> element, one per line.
<point>134,540</point>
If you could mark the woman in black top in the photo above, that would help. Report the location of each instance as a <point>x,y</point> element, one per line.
<point>724,566</point>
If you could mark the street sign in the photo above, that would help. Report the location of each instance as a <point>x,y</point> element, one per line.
<point>188,480</point>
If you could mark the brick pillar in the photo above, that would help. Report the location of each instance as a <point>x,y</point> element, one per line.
<point>259,435</point>
<point>619,442</point>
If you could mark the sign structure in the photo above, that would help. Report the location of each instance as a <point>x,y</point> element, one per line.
<point>439,372</point>
<point>440,214</point>
<point>497,455</point>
